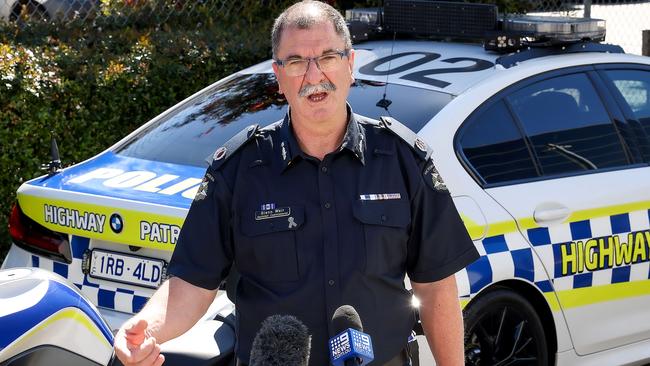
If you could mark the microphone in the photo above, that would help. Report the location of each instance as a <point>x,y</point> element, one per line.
<point>282,340</point>
<point>351,346</point>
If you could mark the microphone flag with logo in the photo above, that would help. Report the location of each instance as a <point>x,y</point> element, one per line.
<point>350,346</point>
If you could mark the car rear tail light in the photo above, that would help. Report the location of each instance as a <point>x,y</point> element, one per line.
<point>29,235</point>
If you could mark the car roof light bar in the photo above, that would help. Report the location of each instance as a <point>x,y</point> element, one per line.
<point>522,31</point>
<point>513,59</point>
<point>560,29</point>
<point>439,18</point>
<point>364,23</point>
<point>470,21</point>
<point>365,15</point>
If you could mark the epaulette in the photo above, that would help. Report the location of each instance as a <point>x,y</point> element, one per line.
<point>231,146</point>
<point>411,138</point>
<point>366,120</point>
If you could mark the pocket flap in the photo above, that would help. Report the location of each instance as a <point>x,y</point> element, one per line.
<point>394,213</point>
<point>260,222</point>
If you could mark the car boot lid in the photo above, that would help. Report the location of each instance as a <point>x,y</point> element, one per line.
<point>114,198</point>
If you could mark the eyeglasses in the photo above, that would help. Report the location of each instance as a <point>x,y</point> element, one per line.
<point>330,61</point>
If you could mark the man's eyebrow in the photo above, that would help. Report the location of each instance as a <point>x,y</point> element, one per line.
<point>330,50</point>
<point>291,57</point>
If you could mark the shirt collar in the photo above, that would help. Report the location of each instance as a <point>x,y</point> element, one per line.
<point>288,149</point>
<point>354,139</point>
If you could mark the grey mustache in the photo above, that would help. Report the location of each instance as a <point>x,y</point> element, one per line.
<point>318,88</point>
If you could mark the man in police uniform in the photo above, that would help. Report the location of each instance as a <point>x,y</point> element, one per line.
<point>322,209</point>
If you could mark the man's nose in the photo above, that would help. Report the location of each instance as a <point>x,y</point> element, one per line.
<point>313,75</point>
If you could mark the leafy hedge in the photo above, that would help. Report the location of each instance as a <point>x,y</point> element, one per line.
<point>93,83</point>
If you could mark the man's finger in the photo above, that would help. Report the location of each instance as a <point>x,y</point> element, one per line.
<point>135,333</point>
<point>121,349</point>
<point>143,351</point>
<point>121,346</point>
<point>151,358</point>
<point>159,360</point>
<point>136,327</point>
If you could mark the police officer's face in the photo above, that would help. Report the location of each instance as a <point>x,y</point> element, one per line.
<point>317,96</point>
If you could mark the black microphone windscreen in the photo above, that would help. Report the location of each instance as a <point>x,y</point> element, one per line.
<point>282,340</point>
<point>346,317</point>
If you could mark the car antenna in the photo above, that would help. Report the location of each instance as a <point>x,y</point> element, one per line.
<point>54,166</point>
<point>383,102</point>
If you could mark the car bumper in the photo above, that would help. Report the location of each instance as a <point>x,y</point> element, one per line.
<point>19,257</point>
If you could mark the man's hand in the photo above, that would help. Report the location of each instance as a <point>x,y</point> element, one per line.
<point>135,346</point>
<point>137,343</point>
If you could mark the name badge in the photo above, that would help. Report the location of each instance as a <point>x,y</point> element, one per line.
<point>273,213</point>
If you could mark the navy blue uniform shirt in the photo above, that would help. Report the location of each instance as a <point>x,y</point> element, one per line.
<point>308,236</point>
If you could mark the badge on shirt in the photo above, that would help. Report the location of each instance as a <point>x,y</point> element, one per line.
<point>433,178</point>
<point>420,144</point>
<point>267,206</point>
<point>220,153</point>
<point>272,213</point>
<point>202,192</point>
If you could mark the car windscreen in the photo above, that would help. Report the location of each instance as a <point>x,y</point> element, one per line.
<point>190,133</point>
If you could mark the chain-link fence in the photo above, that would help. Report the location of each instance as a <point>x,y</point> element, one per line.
<point>114,10</point>
<point>625,19</point>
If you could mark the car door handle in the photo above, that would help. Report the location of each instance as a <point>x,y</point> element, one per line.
<point>551,212</point>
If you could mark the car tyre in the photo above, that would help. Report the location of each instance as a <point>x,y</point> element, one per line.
<point>502,328</point>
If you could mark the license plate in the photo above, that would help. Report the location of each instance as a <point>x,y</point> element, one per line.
<point>124,268</point>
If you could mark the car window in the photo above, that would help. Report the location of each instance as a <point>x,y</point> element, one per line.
<point>495,147</point>
<point>192,132</point>
<point>634,86</point>
<point>567,125</point>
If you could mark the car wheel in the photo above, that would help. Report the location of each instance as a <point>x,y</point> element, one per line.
<point>32,11</point>
<point>502,328</point>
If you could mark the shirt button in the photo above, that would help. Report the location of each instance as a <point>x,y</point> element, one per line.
<point>323,169</point>
<point>327,205</point>
<point>330,282</point>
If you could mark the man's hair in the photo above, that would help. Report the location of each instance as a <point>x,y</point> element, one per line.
<point>306,14</point>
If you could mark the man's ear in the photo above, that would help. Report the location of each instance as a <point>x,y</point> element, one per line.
<point>351,65</point>
<point>276,71</point>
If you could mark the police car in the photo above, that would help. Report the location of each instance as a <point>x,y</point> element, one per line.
<point>542,135</point>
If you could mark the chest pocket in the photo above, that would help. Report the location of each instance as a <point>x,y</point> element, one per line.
<point>385,226</point>
<point>266,249</point>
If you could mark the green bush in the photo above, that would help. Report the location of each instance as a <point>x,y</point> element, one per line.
<point>90,84</point>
